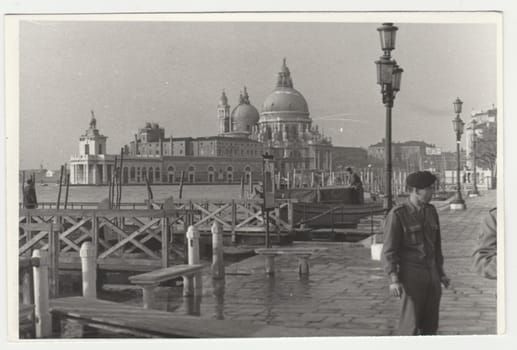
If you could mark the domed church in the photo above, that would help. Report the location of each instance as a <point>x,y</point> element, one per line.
<point>285,128</point>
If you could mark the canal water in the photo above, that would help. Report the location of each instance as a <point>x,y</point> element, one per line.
<point>138,194</point>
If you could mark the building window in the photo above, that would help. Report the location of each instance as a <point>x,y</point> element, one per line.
<point>87,149</point>
<point>144,174</point>
<point>100,148</point>
<point>157,175</point>
<point>211,176</point>
<point>229,174</point>
<point>132,173</point>
<point>170,174</point>
<point>125,176</point>
<point>191,174</point>
<point>151,177</point>
<point>138,174</point>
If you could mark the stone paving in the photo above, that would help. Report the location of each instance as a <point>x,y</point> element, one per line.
<point>347,292</point>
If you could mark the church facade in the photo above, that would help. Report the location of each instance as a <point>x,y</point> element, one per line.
<point>283,128</point>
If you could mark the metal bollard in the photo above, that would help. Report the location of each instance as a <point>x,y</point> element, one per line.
<point>41,302</point>
<point>89,270</point>
<point>217,251</point>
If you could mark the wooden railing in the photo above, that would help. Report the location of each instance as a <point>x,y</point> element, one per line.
<point>234,215</point>
<point>116,234</point>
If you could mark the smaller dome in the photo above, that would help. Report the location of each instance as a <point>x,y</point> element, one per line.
<point>244,117</point>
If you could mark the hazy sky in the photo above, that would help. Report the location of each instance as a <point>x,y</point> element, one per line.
<point>173,74</point>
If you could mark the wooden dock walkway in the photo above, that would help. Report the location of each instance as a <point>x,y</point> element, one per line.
<point>146,323</point>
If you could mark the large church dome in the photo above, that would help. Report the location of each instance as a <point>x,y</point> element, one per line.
<point>285,102</point>
<point>244,116</point>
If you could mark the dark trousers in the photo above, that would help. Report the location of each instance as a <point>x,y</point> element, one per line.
<point>420,307</point>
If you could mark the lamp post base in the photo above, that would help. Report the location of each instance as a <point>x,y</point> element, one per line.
<point>458,205</point>
<point>474,192</point>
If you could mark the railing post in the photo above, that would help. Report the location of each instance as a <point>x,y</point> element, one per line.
<point>41,301</point>
<point>290,215</point>
<point>190,283</point>
<point>95,232</point>
<point>217,251</point>
<point>234,221</point>
<point>89,270</point>
<point>53,249</point>
<point>165,241</point>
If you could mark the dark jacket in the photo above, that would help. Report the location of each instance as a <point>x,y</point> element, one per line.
<point>412,238</point>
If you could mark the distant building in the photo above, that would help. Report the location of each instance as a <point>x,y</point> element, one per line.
<point>92,165</point>
<point>343,157</point>
<point>283,128</point>
<point>409,155</point>
<point>484,119</point>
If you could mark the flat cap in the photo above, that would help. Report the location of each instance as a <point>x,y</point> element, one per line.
<point>420,179</point>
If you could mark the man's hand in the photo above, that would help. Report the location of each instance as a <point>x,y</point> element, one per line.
<point>446,281</point>
<point>396,289</point>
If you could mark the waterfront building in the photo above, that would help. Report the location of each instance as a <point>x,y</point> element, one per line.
<point>92,165</point>
<point>283,128</point>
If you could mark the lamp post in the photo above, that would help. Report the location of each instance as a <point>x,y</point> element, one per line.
<point>458,203</point>
<point>268,190</point>
<point>389,75</point>
<point>475,191</point>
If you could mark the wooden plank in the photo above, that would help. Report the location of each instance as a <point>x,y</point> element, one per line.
<point>165,274</point>
<point>288,251</point>
<point>32,242</point>
<point>153,322</point>
<point>41,227</point>
<point>107,212</point>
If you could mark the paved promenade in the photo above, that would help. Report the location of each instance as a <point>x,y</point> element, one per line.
<point>347,292</point>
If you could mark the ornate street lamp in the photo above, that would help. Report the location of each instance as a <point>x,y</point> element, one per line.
<point>389,75</point>
<point>475,191</point>
<point>458,203</point>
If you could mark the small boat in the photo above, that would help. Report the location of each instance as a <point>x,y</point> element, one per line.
<point>327,207</point>
<point>43,184</point>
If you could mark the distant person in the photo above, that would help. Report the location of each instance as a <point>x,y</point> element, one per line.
<point>485,255</point>
<point>357,185</point>
<point>29,195</point>
<point>412,257</point>
<point>258,191</point>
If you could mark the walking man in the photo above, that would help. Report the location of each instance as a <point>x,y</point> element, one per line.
<point>412,257</point>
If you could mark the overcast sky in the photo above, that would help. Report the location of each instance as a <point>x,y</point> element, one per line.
<point>173,74</point>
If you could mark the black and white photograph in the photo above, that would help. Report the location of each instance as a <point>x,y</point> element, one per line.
<point>254,175</point>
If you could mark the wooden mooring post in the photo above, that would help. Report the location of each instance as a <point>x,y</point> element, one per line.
<point>192,284</point>
<point>41,296</point>
<point>89,270</point>
<point>217,251</point>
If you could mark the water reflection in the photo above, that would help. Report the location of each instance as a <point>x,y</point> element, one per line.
<point>218,286</point>
<point>192,305</point>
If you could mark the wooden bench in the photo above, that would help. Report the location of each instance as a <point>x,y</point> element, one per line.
<point>302,254</point>
<point>149,281</point>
